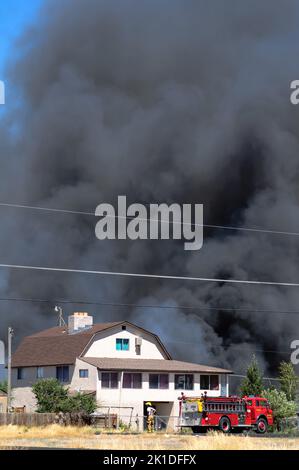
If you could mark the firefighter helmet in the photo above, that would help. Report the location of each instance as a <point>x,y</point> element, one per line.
<point>148,403</point>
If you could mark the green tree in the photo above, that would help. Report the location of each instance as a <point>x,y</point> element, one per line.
<point>253,382</point>
<point>281,406</point>
<point>288,380</point>
<point>3,386</point>
<point>52,397</point>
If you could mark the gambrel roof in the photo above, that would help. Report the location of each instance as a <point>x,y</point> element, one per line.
<point>55,346</point>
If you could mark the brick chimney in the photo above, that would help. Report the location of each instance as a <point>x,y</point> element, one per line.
<point>79,321</point>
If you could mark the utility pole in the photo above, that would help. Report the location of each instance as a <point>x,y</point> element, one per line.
<point>10,336</point>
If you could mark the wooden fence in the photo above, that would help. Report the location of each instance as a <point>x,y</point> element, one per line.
<point>27,419</point>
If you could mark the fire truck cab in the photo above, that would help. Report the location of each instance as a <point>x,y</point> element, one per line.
<point>225,413</point>
<point>261,415</point>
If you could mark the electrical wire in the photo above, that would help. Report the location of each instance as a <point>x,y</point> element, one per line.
<point>62,301</point>
<point>152,306</point>
<point>88,213</point>
<point>148,276</point>
<point>155,276</point>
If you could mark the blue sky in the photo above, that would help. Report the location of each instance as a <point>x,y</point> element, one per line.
<point>15,15</point>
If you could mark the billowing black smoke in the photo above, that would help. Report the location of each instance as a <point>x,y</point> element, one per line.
<point>162,101</point>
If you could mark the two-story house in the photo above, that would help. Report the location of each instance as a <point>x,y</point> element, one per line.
<point>122,363</point>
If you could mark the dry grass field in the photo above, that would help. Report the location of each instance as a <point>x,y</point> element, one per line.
<point>88,438</point>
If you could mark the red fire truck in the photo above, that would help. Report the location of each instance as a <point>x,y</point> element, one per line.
<point>225,413</point>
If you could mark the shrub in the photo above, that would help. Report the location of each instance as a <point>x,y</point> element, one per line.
<point>3,386</point>
<point>281,406</point>
<point>52,397</point>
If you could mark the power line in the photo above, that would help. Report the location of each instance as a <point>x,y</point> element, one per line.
<point>47,209</point>
<point>148,276</point>
<point>114,304</point>
<point>131,305</point>
<point>220,227</point>
<point>152,306</point>
<point>267,351</point>
<point>141,306</point>
<point>76,212</point>
<point>264,378</point>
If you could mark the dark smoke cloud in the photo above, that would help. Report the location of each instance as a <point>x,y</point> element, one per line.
<point>164,101</point>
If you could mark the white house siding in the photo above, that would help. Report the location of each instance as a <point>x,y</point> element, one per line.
<point>81,384</point>
<point>118,399</point>
<point>104,344</point>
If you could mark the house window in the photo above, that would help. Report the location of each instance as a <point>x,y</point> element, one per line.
<point>205,382</point>
<point>132,380</point>
<point>122,344</point>
<point>184,382</point>
<point>160,381</point>
<point>109,380</point>
<point>83,373</point>
<point>21,373</point>
<point>40,372</point>
<point>209,382</point>
<point>214,382</point>
<point>62,373</point>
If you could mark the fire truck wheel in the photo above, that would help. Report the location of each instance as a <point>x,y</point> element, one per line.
<point>261,426</point>
<point>224,425</point>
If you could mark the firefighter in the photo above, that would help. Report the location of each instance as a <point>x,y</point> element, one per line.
<point>182,396</point>
<point>200,405</point>
<point>150,411</point>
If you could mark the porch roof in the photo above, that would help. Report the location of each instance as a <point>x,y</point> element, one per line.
<point>151,365</point>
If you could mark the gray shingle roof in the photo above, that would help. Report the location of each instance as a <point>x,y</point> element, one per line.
<point>151,365</point>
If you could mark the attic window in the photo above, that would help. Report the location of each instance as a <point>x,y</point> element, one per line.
<point>122,344</point>
<point>124,327</point>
